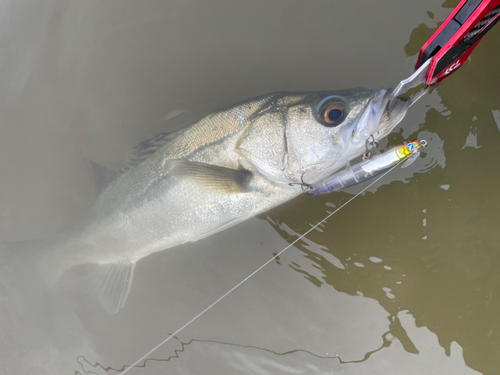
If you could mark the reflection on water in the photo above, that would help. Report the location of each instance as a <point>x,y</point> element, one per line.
<point>436,237</point>
<point>403,280</point>
<point>226,358</point>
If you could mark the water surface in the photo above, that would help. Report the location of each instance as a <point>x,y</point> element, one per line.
<point>404,279</point>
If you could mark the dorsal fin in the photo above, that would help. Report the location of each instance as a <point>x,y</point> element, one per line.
<point>148,147</point>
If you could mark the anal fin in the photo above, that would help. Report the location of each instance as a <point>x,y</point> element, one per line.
<point>113,281</point>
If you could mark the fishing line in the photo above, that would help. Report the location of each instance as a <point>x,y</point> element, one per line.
<point>257,270</point>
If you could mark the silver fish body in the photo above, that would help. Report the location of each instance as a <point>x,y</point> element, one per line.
<point>231,165</point>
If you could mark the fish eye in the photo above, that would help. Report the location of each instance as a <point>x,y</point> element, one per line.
<point>333,113</point>
<point>386,117</point>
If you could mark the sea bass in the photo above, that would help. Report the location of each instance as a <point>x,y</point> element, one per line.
<point>229,166</point>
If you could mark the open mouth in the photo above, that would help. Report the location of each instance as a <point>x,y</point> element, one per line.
<point>366,124</point>
<point>379,118</point>
<point>394,110</point>
<point>390,111</point>
<point>382,114</point>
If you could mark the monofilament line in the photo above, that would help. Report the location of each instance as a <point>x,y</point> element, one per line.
<point>254,272</point>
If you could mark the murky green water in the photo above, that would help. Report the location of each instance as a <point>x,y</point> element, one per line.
<point>402,280</point>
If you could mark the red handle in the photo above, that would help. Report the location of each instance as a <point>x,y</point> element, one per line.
<point>456,38</point>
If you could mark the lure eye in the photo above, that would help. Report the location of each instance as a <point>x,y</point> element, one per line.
<point>386,117</point>
<point>333,113</point>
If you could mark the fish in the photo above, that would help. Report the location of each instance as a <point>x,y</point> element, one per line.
<point>230,165</point>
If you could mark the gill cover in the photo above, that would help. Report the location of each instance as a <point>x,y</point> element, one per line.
<point>295,135</point>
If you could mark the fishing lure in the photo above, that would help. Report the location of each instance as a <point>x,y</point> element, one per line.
<point>365,170</point>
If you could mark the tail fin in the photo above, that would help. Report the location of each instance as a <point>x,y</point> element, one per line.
<point>35,255</point>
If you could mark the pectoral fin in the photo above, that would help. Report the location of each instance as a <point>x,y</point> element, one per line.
<point>113,283</point>
<point>218,179</point>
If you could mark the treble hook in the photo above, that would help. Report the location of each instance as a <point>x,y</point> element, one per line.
<point>370,144</point>
<point>303,185</point>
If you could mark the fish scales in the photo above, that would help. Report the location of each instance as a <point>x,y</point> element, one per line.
<point>231,165</point>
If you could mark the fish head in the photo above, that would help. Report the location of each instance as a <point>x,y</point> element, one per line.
<point>305,137</point>
<point>327,130</point>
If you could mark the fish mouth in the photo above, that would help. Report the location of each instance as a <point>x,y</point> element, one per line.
<point>395,110</point>
<point>381,115</point>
